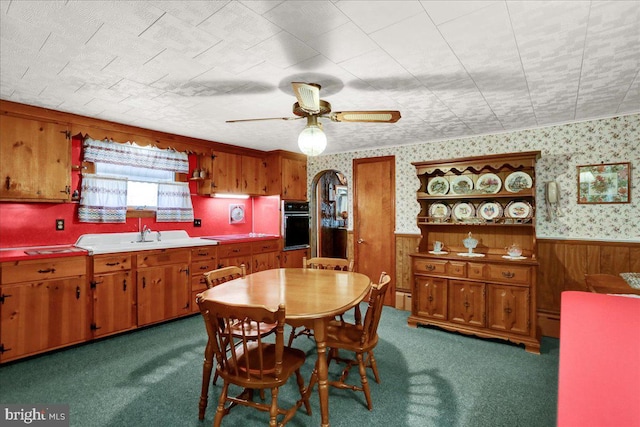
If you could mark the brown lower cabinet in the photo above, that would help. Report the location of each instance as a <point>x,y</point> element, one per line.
<point>52,303</point>
<point>163,285</point>
<point>44,305</point>
<point>490,299</point>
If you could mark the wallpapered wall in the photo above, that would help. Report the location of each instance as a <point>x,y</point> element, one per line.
<point>562,147</point>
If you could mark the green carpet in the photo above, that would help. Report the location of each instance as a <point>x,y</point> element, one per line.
<point>429,377</point>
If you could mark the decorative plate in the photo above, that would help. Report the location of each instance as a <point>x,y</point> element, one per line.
<point>490,210</point>
<point>519,209</point>
<point>489,183</point>
<point>463,210</point>
<point>440,211</point>
<point>461,184</point>
<point>518,181</point>
<point>438,186</point>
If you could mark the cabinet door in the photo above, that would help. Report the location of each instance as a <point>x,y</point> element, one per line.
<point>431,297</point>
<point>226,170</point>
<point>34,160</point>
<point>508,308</point>
<point>163,293</point>
<point>293,259</point>
<point>254,175</point>
<point>43,315</point>
<point>467,302</point>
<point>265,261</point>
<point>237,261</point>
<point>113,303</point>
<point>294,179</point>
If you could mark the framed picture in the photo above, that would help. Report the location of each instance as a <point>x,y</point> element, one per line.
<point>604,183</point>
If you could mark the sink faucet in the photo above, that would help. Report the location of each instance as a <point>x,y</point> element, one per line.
<point>143,233</point>
<point>159,235</point>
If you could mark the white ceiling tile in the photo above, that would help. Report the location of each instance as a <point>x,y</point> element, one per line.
<point>307,20</point>
<point>342,43</point>
<point>372,16</point>
<point>282,50</point>
<point>193,13</point>
<point>237,24</point>
<point>170,31</point>
<point>445,11</point>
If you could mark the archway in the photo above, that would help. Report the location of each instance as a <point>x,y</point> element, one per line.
<point>330,209</point>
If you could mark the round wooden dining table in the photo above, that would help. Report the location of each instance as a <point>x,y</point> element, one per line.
<point>310,296</point>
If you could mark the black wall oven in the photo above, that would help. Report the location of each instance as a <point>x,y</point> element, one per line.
<point>295,225</point>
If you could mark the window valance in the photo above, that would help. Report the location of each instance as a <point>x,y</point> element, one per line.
<point>131,154</point>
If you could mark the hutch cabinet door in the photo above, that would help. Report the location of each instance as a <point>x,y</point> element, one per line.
<point>467,302</point>
<point>508,308</point>
<point>431,294</point>
<point>35,160</point>
<point>113,303</point>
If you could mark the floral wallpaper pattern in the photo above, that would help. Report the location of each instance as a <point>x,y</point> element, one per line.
<point>563,148</point>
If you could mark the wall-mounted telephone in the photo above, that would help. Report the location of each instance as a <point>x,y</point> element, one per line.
<point>552,192</point>
<point>553,200</point>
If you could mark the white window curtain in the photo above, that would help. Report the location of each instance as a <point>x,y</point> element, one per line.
<point>174,203</point>
<point>103,200</point>
<point>131,154</point>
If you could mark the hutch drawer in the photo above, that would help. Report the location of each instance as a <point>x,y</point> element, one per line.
<point>429,266</point>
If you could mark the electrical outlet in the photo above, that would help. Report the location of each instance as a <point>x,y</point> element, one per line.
<point>59,224</point>
<point>197,222</point>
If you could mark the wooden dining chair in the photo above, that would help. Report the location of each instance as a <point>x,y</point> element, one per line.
<point>359,339</point>
<point>321,263</point>
<point>246,360</point>
<point>215,278</point>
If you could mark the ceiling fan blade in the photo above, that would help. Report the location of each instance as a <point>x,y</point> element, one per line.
<point>269,118</point>
<point>366,116</point>
<point>308,95</point>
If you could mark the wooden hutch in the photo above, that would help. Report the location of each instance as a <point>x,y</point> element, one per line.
<point>484,292</point>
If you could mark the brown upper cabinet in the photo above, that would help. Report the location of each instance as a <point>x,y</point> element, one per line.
<point>35,160</point>
<point>233,173</point>
<point>287,174</point>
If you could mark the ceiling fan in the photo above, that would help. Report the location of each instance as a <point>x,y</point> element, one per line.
<point>312,140</point>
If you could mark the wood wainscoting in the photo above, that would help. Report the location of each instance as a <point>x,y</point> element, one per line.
<point>563,264</point>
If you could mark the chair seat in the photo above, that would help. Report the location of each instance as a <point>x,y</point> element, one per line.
<point>348,336</point>
<point>292,359</point>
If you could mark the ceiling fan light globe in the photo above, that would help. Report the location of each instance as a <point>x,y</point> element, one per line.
<point>312,141</point>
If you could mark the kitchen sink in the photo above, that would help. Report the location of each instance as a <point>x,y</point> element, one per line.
<point>106,243</point>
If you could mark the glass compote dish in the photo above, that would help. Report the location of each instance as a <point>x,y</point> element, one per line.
<point>470,243</point>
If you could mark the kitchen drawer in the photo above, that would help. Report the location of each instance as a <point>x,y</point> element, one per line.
<point>43,269</point>
<point>457,269</point>
<point>235,250</point>
<point>163,257</point>
<point>198,283</point>
<point>201,267</point>
<point>111,262</point>
<point>266,246</point>
<point>425,265</point>
<point>206,252</point>
<point>508,273</point>
<point>475,270</point>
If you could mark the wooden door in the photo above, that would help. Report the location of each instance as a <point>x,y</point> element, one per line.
<point>374,219</point>
<point>43,315</point>
<point>34,160</point>
<point>113,303</point>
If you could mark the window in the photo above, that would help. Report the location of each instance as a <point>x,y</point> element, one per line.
<point>128,177</point>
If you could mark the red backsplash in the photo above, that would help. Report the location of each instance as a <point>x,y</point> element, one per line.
<point>33,224</point>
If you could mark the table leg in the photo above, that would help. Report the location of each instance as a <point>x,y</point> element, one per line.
<point>319,332</point>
